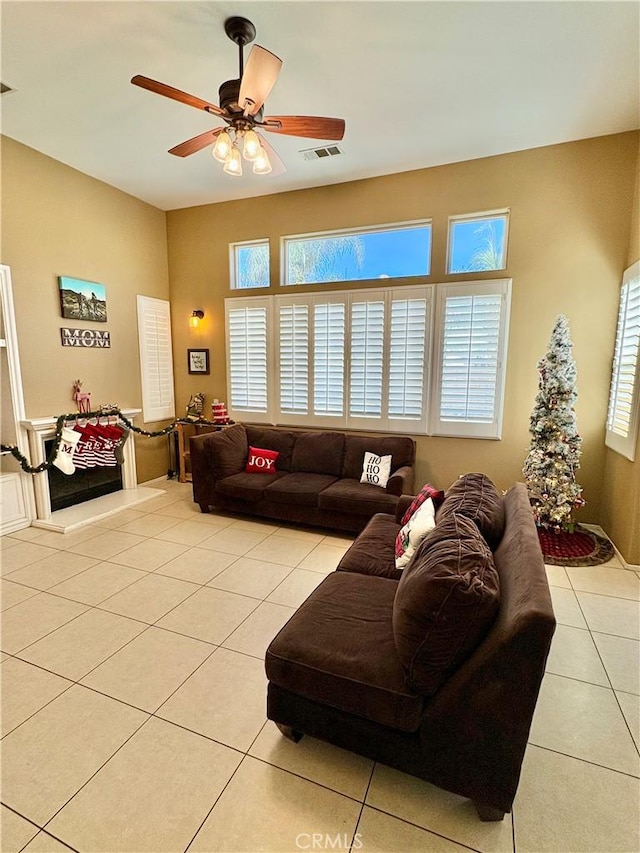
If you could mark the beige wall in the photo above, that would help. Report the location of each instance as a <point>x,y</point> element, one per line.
<point>621,484</point>
<point>58,221</point>
<point>571,211</point>
<point>569,236</point>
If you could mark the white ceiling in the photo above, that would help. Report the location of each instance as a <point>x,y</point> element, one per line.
<point>418,83</point>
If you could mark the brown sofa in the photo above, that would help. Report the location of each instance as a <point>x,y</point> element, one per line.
<point>317,476</point>
<point>436,672</point>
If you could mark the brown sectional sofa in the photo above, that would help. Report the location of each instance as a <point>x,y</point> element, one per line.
<point>317,477</point>
<point>435,670</point>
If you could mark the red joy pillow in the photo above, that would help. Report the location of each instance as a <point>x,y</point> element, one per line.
<point>261,461</point>
<point>427,491</point>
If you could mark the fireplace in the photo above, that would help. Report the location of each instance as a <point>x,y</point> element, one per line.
<point>83,485</point>
<point>64,502</point>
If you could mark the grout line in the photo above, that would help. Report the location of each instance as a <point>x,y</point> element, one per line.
<point>104,763</point>
<point>215,803</point>
<point>584,760</point>
<point>304,778</point>
<point>424,829</point>
<point>362,805</point>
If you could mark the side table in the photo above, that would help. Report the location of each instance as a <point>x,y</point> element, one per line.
<point>183,432</point>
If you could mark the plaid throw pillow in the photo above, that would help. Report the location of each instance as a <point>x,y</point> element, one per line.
<point>427,491</point>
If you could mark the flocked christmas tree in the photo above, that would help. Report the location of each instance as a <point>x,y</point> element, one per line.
<point>554,454</point>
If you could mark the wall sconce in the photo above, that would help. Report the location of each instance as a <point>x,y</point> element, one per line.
<point>194,319</point>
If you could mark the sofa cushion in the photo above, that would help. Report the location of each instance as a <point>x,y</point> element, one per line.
<point>476,497</point>
<point>247,487</point>
<point>227,451</point>
<point>274,439</point>
<point>356,498</point>
<point>318,453</point>
<point>261,461</point>
<point>298,488</point>
<point>338,649</point>
<point>447,598</point>
<point>372,551</point>
<point>401,448</point>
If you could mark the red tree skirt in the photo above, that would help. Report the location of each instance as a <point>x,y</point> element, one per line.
<point>583,547</point>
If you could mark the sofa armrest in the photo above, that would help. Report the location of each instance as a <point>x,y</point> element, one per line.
<point>404,502</point>
<point>401,481</point>
<point>482,715</point>
<point>213,456</point>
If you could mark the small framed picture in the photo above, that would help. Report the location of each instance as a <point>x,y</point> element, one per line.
<point>198,360</point>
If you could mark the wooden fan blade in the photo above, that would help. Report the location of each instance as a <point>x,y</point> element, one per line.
<point>196,144</point>
<point>260,73</point>
<point>277,166</point>
<point>176,94</point>
<point>315,127</point>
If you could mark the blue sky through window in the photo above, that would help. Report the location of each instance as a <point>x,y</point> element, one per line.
<point>477,244</point>
<point>392,253</point>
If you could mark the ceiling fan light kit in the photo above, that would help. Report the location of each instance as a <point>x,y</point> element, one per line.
<point>241,107</point>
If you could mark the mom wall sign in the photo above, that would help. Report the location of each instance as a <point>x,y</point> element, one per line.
<point>85,338</point>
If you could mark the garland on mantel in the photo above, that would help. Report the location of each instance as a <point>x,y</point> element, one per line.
<point>107,412</point>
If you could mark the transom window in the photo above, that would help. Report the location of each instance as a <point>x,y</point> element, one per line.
<point>389,251</point>
<point>249,264</point>
<point>478,242</point>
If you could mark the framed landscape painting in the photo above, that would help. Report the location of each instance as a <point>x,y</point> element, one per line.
<point>82,300</point>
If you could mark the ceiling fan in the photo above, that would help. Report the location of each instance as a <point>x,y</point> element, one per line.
<point>241,107</point>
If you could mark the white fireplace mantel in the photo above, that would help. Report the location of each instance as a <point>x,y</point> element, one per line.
<point>40,430</point>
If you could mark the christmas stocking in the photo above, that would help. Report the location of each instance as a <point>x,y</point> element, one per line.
<point>64,458</point>
<point>119,436</point>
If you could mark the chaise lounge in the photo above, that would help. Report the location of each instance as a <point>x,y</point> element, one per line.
<point>436,673</point>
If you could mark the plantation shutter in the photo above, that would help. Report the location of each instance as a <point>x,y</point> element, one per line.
<point>294,359</point>
<point>247,358</point>
<point>472,341</point>
<point>328,358</point>
<point>367,358</point>
<point>407,358</point>
<point>624,395</point>
<point>156,359</point>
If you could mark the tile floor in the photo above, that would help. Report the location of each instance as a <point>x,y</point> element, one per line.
<point>133,694</point>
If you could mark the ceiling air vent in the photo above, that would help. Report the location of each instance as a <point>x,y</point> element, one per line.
<point>320,153</point>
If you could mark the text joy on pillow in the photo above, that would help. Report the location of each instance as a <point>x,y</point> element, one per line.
<point>261,461</point>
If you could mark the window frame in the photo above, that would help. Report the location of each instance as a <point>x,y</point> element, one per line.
<point>287,239</point>
<point>469,428</point>
<point>310,418</point>
<point>625,445</point>
<point>234,267</point>
<point>427,423</point>
<point>477,217</point>
<point>156,358</point>
<point>239,414</point>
